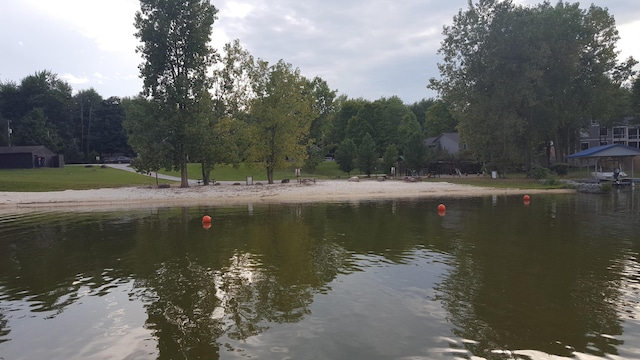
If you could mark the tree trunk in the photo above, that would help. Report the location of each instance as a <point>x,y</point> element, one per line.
<point>205,174</point>
<point>270,175</point>
<point>184,178</point>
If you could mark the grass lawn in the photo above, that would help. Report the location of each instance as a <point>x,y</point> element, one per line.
<point>75,177</point>
<point>78,177</point>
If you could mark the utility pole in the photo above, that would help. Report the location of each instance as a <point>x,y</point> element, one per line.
<point>9,131</point>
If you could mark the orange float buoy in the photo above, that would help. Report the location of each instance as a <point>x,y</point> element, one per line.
<point>206,219</point>
<point>526,198</point>
<point>441,207</point>
<point>442,212</point>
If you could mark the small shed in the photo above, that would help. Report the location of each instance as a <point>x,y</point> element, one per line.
<point>29,157</point>
<point>612,151</point>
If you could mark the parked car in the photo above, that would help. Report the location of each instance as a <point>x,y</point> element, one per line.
<point>118,160</point>
<point>123,160</point>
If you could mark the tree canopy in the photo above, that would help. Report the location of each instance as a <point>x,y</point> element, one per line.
<point>280,115</point>
<point>177,56</point>
<point>520,78</point>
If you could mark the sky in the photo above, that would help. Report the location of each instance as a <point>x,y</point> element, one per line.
<point>361,48</point>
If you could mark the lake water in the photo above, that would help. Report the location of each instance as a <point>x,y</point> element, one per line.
<point>492,279</point>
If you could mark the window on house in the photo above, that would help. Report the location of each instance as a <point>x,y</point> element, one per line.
<point>584,146</point>
<point>619,132</point>
<point>603,143</point>
<point>633,133</point>
<point>634,144</point>
<point>603,131</point>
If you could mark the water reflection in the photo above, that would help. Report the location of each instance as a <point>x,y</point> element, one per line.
<point>493,279</point>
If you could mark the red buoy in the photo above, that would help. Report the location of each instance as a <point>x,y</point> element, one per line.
<point>206,219</point>
<point>441,207</point>
<point>526,198</point>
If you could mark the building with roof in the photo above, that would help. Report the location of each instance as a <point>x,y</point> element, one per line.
<point>29,157</point>
<point>449,142</point>
<point>597,135</point>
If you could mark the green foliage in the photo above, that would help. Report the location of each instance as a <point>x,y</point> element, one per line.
<point>540,172</point>
<point>517,77</point>
<point>367,158</point>
<point>389,158</point>
<point>635,97</point>
<point>175,37</point>
<point>282,114</point>
<point>419,109</point>
<point>560,168</point>
<point>346,155</point>
<point>345,110</point>
<point>146,135</point>
<point>415,153</point>
<point>439,120</point>
<point>38,110</point>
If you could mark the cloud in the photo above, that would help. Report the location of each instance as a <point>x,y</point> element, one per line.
<point>74,80</point>
<point>369,49</point>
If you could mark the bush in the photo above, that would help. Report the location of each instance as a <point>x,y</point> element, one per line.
<point>560,168</point>
<point>540,173</point>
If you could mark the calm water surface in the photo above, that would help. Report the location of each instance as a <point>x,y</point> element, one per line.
<point>493,279</point>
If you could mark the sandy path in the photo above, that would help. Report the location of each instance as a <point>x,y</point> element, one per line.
<point>220,195</point>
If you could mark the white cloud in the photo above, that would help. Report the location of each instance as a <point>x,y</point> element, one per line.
<point>74,80</point>
<point>108,23</point>
<point>369,48</point>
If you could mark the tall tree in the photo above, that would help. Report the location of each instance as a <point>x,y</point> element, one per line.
<point>517,77</point>
<point>415,153</point>
<point>346,155</point>
<point>320,126</point>
<point>149,137</point>
<point>367,158</point>
<point>108,132</point>
<point>86,104</point>
<point>39,99</point>
<point>635,98</point>
<point>281,116</point>
<point>175,36</point>
<point>345,110</point>
<point>389,158</point>
<point>419,109</point>
<point>439,120</point>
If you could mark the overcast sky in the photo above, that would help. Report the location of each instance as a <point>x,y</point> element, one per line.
<point>362,48</point>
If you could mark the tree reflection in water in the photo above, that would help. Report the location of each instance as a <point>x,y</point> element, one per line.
<point>549,278</point>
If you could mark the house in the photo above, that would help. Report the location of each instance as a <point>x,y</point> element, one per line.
<point>29,157</point>
<point>595,135</point>
<point>449,142</point>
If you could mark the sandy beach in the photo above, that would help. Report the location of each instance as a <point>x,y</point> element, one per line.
<point>222,195</point>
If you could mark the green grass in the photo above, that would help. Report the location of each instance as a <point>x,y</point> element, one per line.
<point>71,177</point>
<point>78,177</point>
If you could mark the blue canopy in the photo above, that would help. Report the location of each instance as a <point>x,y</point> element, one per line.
<point>613,150</point>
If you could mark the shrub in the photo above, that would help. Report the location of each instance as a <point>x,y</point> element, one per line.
<point>539,173</point>
<point>560,168</point>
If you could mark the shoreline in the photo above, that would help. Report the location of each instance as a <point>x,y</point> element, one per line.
<point>232,195</point>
